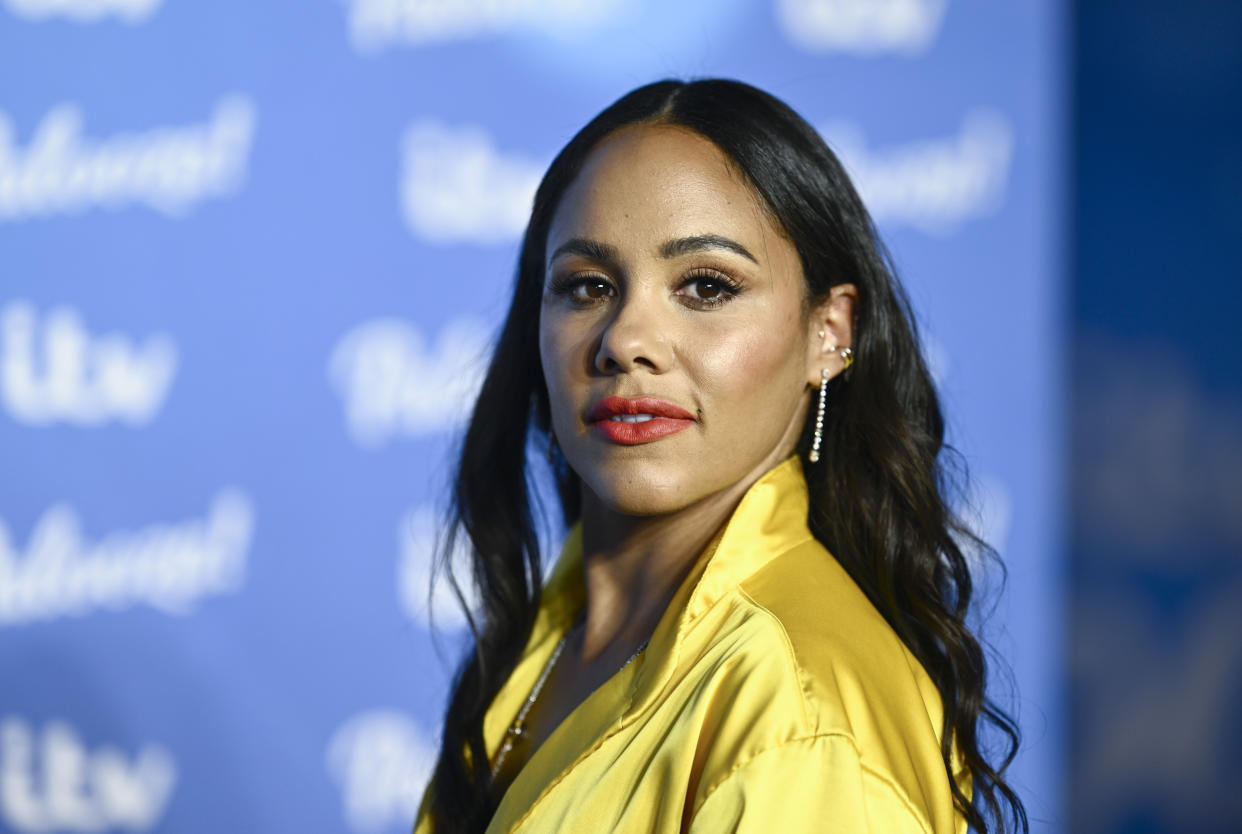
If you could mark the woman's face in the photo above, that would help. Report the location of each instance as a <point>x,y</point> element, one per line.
<point>677,354</point>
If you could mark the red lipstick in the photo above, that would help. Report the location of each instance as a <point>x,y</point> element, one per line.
<point>633,420</point>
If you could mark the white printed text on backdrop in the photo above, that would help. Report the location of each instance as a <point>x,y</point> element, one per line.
<point>932,185</point>
<point>392,383</point>
<point>84,11</point>
<point>457,187</point>
<point>418,537</point>
<point>169,566</point>
<point>55,371</point>
<point>377,24</point>
<point>381,760</point>
<point>50,781</point>
<point>862,27</point>
<point>169,169</point>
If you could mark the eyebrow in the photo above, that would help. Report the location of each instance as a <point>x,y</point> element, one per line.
<point>698,243</point>
<point>587,248</point>
<point>675,248</point>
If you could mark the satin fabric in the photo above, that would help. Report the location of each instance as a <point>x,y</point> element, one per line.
<point>772,697</point>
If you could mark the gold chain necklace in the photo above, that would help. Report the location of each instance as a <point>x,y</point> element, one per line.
<point>518,728</point>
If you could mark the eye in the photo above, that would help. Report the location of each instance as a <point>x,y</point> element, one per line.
<point>706,288</point>
<point>583,289</point>
<point>593,288</point>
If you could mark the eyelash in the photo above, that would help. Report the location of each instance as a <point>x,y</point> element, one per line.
<point>729,289</point>
<point>567,286</point>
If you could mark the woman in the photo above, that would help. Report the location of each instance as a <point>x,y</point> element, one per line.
<point>758,619</point>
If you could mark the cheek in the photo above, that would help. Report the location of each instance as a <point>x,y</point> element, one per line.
<point>547,349</point>
<point>754,360</point>
<point>562,353</point>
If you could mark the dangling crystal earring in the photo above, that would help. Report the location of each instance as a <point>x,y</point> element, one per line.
<point>819,416</point>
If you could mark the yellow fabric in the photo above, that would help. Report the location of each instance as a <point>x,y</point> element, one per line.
<point>772,697</point>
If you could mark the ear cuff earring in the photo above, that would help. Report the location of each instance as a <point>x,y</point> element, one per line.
<point>847,356</point>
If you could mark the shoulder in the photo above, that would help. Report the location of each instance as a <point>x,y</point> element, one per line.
<point>852,667</point>
<point>816,673</point>
<point>817,783</point>
<point>801,623</point>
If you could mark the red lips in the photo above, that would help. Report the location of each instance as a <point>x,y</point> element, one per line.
<point>665,419</point>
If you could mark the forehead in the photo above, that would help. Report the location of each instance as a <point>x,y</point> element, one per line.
<point>648,183</point>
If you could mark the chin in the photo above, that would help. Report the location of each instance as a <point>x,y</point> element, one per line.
<point>641,488</point>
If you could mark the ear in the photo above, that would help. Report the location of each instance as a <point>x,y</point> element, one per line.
<point>831,329</point>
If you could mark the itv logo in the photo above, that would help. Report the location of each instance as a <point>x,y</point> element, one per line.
<point>50,781</point>
<point>52,370</point>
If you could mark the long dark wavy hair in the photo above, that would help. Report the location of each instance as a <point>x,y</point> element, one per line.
<point>879,495</point>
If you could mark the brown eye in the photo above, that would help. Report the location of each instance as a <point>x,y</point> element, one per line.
<point>709,288</point>
<point>595,289</point>
<point>583,290</point>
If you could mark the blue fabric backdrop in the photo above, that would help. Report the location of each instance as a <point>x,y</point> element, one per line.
<point>251,256</point>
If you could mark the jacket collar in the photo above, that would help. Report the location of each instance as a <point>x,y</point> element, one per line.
<point>768,521</point>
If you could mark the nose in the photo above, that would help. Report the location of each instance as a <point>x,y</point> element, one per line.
<point>633,338</point>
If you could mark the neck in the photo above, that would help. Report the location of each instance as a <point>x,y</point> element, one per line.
<point>633,565</point>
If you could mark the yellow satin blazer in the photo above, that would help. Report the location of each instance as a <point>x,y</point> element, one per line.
<point>772,697</point>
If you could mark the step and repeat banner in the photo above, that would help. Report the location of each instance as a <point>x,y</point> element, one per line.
<point>252,256</point>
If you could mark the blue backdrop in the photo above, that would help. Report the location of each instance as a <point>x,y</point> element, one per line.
<point>1155,542</point>
<point>251,257</point>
